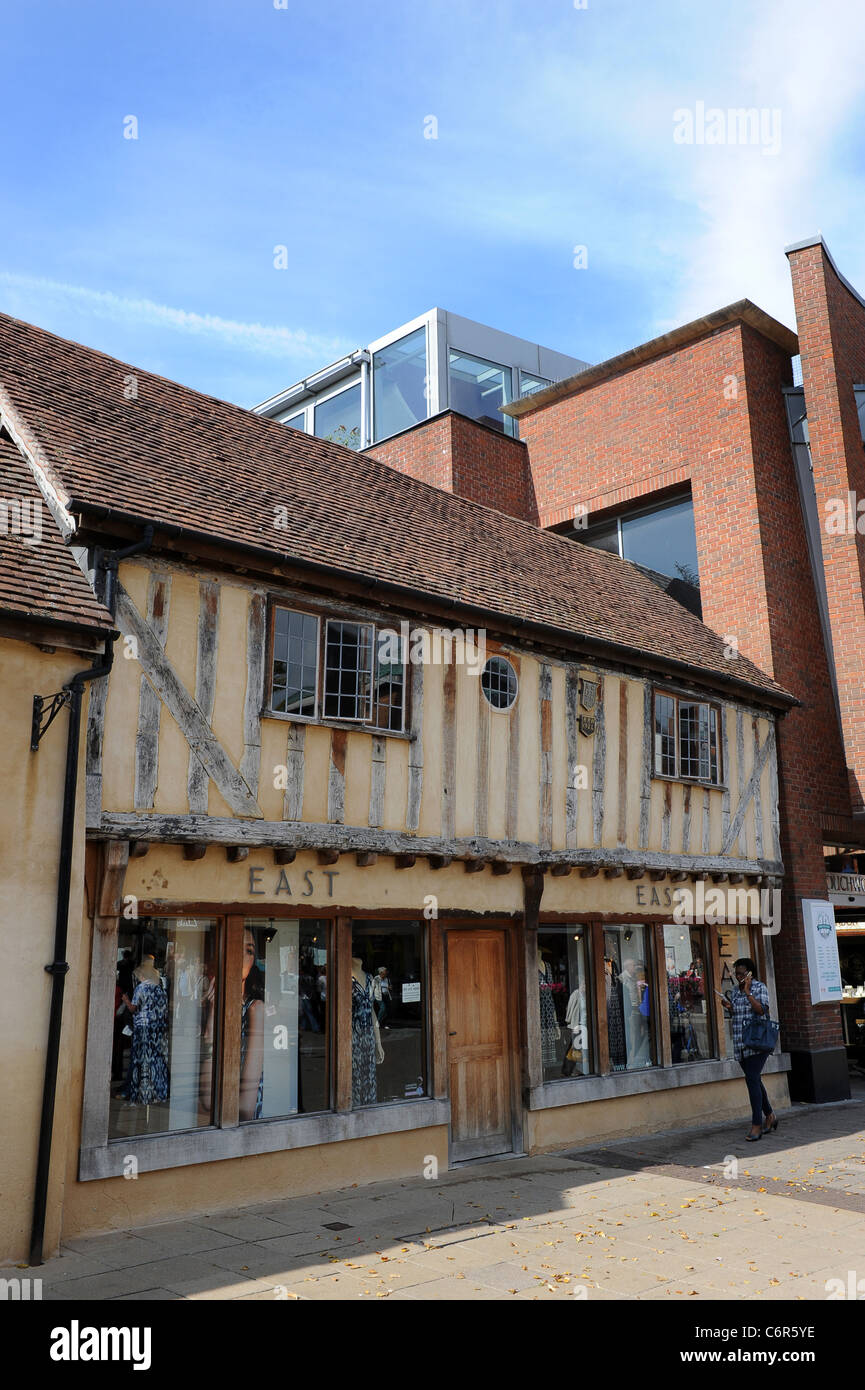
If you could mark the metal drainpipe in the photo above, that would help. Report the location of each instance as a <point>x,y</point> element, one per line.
<point>59,967</point>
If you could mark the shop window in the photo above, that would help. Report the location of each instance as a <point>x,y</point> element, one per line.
<point>629,997</point>
<point>499,683</point>
<point>284,1055</point>
<point>167,1011</point>
<point>687,739</point>
<point>565,1002</point>
<point>734,942</point>
<point>388,1009</point>
<point>689,994</point>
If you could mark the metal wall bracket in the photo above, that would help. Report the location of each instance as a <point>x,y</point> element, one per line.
<point>42,721</point>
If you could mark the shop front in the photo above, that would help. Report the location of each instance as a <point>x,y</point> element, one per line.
<point>275,1027</point>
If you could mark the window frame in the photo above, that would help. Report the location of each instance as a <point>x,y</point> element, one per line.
<point>500,709</point>
<point>350,383</point>
<point>679,698</point>
<point>323,617</point>
<point>508,373</point>
<point>383,347</point>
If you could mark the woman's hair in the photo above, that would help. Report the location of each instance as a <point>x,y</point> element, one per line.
<point>748,963</point>
<point>253,985</point>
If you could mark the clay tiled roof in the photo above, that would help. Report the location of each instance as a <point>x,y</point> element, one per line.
<point>39,579</point>
<point>170,455</point>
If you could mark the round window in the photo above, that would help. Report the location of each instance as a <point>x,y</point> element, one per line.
<point>499,682</point>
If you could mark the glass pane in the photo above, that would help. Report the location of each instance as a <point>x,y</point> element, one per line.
<point>664,540</point>
<point>566,1035</point>
<point>689,739</point>
<point>388,1003</point>
<point>478,388</point>
<point>297,422</point>
<point>529,383</point>
<point>734,941</point>
<point>389,693</point>
<point>166,1009</point>
<point>859,392</point>
<point>348,671</point>
<point>399,384</point>
<point>283,1022</point>
<point>688,994</point>
<point>338,419</point>
<point>295,644</point>
<point>665,735</point>
<point>602,535</point>
<point>627,970</point>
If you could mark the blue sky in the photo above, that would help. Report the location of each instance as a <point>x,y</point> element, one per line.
<point>303,127</point>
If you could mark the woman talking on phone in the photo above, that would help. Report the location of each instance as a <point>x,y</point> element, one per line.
<point>752,997</point>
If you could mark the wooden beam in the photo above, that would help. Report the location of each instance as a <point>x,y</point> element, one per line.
<point>149,706</point>
<point>615,871</point>
<point>589,871</point>
<point>482,767</point>
<point>365,858</point>
<point>186,713</point>
<point>138,848</point>
<point>572,799</point>
<point>292,802</point>
<point>327,856</point>
<point>656,875</point>
<point>663,1042</point>
<point>284,856</point>
<point>646,766</point>
<point>599,757</point>
<point>678,876</point>
<point>720,878</point>
<point>533,887</point>
<point>737,878</point>
<point>545,756</point>
<point>415,748</point>
<point>449,752</point>
<point>622,817</point>
<point>403,861</point>
<point>235,854</point>
<point>560,870</point>
<point>342,1030</point>
<point>194,851</point>
<point>438,1087</point>
<point>501,866</point>
<point>250,763</point>
<point>228,1091</point>
<point>309,835</point>
<point>336,776</point>
<point>635,872</point>
<point>197,781</point>
<point>439,861</point>
<point>602,1060</point>
<point>474,866</point>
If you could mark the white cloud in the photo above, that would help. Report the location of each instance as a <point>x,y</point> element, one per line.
<point>264,339</point>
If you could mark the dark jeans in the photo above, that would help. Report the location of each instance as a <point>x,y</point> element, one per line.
<point>760,1103</point>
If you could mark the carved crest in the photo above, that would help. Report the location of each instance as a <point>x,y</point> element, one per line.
<point>587,724</point>
<point>588,694</point>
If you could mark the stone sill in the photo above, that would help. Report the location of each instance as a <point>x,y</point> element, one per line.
<point>154,1152</point>
<point>577,1091</point>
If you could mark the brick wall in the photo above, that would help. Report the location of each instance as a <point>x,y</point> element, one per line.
<point>831,324</point>
<point>710,414</point>
<point>461,456</point>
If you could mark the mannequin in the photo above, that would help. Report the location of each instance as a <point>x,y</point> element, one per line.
<point>366,1048</point>
<point>148,1080</point>
<point>550,1032</point>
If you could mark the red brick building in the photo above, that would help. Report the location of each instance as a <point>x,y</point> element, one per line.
<point>690,456</point>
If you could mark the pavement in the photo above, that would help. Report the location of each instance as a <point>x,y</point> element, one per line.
<point>696,1214</point>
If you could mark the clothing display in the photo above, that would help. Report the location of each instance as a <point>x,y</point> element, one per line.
<point>549,1022</point>
<point>363,1080</point>
<point>244,1044</point>
<point>148,1064</point>
<point>616,1026</point>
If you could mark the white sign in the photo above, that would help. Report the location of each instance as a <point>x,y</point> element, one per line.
<point>411,993</point>
<point>846,889</point>
<point>821,944</point>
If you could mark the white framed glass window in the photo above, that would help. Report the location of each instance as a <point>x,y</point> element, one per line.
<point>297,422</point>
<point>294,665</point>
<point>477,388</point>
<point>348,663</point>
<point>400,384</point>
<point>337,417</point>
<point>687,739</point>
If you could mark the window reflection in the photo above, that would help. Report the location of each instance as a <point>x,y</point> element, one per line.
<point>627,974</point>
<point>478,388</point>
<point>338,418</point>
<point>399,375</point>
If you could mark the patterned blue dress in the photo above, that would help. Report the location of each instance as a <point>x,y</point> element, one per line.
<point>148,1063</point>
<point>244,1043</point>
<point>363,1082</point>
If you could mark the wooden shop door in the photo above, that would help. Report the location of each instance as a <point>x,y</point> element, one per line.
<point>479,1044</point>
